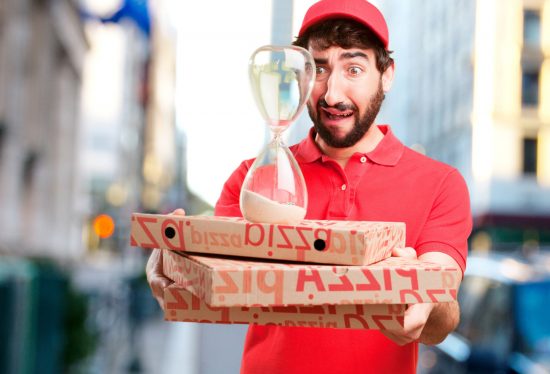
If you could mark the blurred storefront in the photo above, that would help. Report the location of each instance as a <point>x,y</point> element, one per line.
<point>42,53</point>
<point>43,47</point>
<point>86,102</point>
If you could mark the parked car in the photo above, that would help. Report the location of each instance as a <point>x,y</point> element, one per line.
<point>505,320</point>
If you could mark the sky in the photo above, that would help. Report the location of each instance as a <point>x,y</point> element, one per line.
<point>214,104</point>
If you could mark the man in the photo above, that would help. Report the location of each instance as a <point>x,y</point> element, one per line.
<point>356,170</point>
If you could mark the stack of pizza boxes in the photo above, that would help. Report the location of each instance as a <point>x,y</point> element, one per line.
<point>335,274</point>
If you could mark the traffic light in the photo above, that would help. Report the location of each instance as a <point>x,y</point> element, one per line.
<point>104,226</point>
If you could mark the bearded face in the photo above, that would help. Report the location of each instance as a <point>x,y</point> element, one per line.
<point>363,121</point>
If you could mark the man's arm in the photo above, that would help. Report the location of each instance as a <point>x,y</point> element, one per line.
<point>443,240</point>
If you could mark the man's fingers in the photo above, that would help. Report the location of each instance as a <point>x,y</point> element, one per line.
<point>178,212</point>
<point>153,263</point>
<point>155,276</point>
<point>415,319</point>
<point>397,339</point>
<point>158,285</point>
<point>400,337</point>
<point>406,252</point>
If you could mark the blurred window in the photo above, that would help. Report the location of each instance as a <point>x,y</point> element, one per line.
<point>29,167</point>
<point>491,328</point>
<point>529,155</point>
<point>531,306</point>
<point>530,87</point>
<point>531,27</point>
<point>472,291</point>
<point>2,135</point>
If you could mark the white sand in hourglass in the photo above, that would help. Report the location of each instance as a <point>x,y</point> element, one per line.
<point>258,208</point>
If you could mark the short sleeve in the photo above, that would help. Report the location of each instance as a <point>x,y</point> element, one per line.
<point>449,222</point>
<point>228,203</point>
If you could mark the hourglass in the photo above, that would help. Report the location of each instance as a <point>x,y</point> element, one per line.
<point>274,190</point>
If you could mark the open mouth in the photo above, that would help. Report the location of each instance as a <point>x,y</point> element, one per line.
<point>335,115</point>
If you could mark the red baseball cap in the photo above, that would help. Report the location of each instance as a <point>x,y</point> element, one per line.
<point>358,10</point>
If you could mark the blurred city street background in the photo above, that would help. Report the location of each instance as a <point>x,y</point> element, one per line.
<point>109,107</point>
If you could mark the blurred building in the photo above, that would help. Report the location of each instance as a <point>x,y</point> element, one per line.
<point>135,156</point>
<point>472,89</point>
<point>114,100</point>
<point>511,121</point>
<point>164,156</point>
<point>42,49</point>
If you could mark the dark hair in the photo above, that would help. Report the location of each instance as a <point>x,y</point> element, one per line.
<point>345,33</point>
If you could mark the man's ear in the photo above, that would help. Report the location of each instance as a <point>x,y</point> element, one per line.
<point>387,78</point>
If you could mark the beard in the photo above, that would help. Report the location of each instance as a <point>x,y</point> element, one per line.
<point>361,126</point>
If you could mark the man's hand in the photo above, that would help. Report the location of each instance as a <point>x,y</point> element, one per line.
<point>155,273</point>
<point>416,315</point>
<point>427,322</point>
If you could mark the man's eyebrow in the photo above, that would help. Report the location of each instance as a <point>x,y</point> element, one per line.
<point>348,55</point>
<point>343,56</point>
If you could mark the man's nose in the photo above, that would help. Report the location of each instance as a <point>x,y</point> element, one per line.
<point>335,93</point>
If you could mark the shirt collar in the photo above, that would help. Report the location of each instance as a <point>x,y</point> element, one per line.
<point>388,152</point>
<point>308,151</point>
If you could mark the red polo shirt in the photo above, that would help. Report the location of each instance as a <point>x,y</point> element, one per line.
<point>390,183</point>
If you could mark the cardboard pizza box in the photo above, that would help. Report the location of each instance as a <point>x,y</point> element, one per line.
<point>328,242</point>
<point>182,305</point>
<point>236,282</point>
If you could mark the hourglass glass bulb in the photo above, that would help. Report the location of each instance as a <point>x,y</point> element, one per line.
<point>274,190</point>
<point>281,79</point>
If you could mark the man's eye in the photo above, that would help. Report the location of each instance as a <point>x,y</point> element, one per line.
<point>355,70</point>
<point>320,70</point>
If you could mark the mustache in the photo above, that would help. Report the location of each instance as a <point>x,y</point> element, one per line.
<point>339,106</point>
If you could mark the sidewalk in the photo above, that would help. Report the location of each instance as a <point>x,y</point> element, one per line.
<point>190,348</point>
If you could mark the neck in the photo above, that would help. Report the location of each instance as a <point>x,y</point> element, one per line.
<point>368,142</point>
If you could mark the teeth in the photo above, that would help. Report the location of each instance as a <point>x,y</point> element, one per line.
<point>340,115</point>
